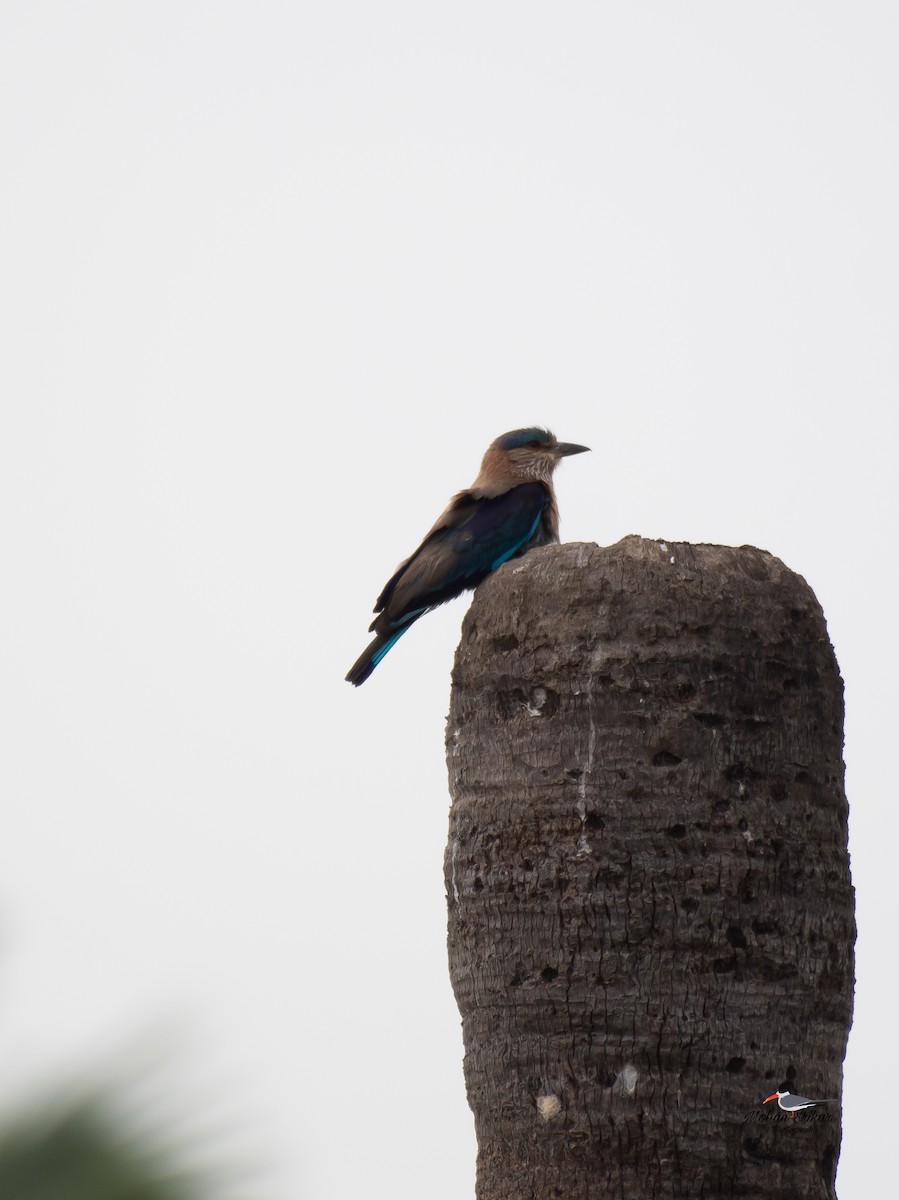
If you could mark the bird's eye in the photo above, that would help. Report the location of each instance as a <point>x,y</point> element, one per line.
<point>534,443</point>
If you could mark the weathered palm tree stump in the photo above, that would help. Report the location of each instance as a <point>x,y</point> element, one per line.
<point>650,912</point>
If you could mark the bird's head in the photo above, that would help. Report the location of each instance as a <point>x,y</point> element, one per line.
<point>774,1096</point>
<point>524,454</point>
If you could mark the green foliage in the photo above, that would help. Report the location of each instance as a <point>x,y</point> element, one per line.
<point>80,1153</point>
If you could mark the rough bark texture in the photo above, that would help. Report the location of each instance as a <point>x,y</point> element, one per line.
<point>650,912</point>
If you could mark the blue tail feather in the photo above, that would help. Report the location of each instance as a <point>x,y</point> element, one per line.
<point>372,655</point>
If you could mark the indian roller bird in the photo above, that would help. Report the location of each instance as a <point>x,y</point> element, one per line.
<point>509,509</point>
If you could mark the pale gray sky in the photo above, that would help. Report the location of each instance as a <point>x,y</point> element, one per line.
<point>273,276</point>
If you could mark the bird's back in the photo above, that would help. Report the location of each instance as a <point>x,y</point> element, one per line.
<point>473,537</point>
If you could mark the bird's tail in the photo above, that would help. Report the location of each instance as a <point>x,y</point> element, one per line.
<point>372,655</point>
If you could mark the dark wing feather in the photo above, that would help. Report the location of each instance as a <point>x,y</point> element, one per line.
<point>471,539</point>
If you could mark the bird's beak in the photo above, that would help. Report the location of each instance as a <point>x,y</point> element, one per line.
<point>563,449</point>
<point>774,1097</point>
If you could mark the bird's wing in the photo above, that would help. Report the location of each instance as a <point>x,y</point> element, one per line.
<point>469,540</point>
<point>799,1102</point>
<point>460,509</point>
